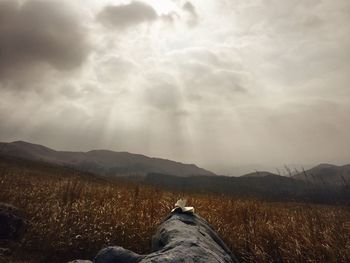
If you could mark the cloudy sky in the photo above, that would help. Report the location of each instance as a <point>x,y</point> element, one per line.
<point>224,83</point>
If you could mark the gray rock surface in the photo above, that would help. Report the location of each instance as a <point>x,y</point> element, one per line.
<point>180,238</point>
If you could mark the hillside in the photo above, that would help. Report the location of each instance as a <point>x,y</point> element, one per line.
<point>269,187</point>
<point>101,162</point>
<point>326,175</point>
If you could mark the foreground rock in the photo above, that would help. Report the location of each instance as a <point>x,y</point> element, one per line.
<point>181,238</point>
<point>12,223</point>
<point>12,228</point>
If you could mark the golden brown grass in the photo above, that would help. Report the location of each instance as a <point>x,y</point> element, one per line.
<point>73,218</point>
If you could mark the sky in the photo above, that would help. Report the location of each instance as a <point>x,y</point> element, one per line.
<point>229,85</point>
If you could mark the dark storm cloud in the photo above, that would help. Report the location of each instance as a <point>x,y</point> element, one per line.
<point>36,35</point>
<point>126,15</point>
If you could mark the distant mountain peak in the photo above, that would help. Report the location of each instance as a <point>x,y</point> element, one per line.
<point>28,144</point>
<point>325,165</point>
<point>326,174</point>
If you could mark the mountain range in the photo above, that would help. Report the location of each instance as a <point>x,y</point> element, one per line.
<point>102,162</point>
<point>323,183</point>
<point>106,162</point>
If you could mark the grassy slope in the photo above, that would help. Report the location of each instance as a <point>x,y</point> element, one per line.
<point>72,217</point>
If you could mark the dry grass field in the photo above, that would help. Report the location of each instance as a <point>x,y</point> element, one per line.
<point>72,217</point>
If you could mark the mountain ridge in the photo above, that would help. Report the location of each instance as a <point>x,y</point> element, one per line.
<point>108,162</point>
<point>104,162</point>
<point>326,174</point>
